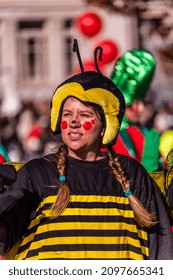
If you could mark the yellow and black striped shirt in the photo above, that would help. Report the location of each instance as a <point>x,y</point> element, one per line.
<point>98,222</point>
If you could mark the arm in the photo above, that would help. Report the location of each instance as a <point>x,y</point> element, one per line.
<point>16,204</point>
<point>160,235</point>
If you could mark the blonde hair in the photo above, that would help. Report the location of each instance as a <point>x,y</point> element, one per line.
<point>63,194</point>
<point>142,216</point>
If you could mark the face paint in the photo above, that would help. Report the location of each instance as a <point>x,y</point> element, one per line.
<point>63,124</point>
<point>88,125</point>
<point>93,121</point>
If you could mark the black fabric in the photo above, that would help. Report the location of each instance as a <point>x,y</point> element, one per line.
<point>38,179</point>
<point>8,176</point>
<point>169,195</point>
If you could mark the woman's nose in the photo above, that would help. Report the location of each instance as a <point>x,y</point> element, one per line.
<point>75,122</point>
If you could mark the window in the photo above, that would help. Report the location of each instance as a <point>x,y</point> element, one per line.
<point>68,32</point>
<point>32,51</point>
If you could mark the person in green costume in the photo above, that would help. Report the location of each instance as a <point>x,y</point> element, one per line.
<point>133,74</point>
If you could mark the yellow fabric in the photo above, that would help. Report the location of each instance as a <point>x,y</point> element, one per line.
<point>162,181</point>
<point>109,103</point>
<point>159,178</point>
<point>166,142</point>
<point>91,255</point>
<point>17,165</point>
<point>35,242</point>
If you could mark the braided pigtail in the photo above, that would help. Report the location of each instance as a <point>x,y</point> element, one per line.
<point>142,216</point>
<point>63,194</point>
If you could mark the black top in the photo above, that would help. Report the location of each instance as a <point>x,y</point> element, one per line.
<point>98,222</point>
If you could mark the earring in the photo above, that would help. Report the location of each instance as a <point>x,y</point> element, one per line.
<point>102,133</point>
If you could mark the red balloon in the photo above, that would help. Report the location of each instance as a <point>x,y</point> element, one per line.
<point>89,24</point>
<point>110,50</point>
<point>89,65</point>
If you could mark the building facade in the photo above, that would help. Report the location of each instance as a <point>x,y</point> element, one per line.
<point>36,40</point>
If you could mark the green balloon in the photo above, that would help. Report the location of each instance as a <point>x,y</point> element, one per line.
<point>133,73</point>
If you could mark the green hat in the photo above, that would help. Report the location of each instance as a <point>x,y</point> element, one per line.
<point>133,73</point>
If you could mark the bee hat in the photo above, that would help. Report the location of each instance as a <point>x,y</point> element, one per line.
<point>93,87</point>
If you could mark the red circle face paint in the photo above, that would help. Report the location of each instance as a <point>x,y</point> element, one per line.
<point>93,121</point>
<point>87,125</point>
<point>63,124</point>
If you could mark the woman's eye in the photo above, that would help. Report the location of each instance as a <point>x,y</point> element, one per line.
<point>85,115</point>
<point>66,114</point>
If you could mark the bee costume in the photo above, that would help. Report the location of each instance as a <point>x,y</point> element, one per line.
<point>98,222</point>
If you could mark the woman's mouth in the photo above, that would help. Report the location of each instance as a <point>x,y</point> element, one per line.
<point>75,136</point>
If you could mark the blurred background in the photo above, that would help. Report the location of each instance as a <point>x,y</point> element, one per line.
<point>36,55</point>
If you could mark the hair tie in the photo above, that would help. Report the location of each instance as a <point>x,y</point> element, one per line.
<point>127,192</point>
<point>62,178</point>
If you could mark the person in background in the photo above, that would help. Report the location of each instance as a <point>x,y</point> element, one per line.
<point>82,203</point>
<point>166,143</point>
<point>133,74</point>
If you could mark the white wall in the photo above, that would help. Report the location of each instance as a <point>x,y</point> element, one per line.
<point>122,30</point>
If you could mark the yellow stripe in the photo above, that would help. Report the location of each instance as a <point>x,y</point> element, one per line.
<point>98,212</point>
<point>86,255</point>
<point>85,226</point>
<point>86,240</point>
<point>85,212</point>
<point>89,198</point>
<point>145,250</point>
<point>99,198</point>
<point>142,234</point>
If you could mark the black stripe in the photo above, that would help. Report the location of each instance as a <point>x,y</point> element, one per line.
<point>86,247</point>
<point>88,219</point>
<point>99,205</point>
<point>89,205</point>
<point>95,233</point>
<point>78,218</point>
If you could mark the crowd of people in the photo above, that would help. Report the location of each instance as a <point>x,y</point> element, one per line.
<point>78,196</point>
<point>27,134</point>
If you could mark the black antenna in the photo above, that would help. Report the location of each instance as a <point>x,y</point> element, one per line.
<point>76,49</point>
<point>100,57</point>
